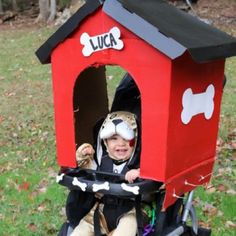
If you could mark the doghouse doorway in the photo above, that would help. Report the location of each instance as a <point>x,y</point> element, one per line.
<point>93,96</point>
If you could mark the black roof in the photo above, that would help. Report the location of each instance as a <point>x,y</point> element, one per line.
<point>44,52</point>
<point>160,24</point>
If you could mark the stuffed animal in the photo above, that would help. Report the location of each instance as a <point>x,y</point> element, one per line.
<point>85,156</point>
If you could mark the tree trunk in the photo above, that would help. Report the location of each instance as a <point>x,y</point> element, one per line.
<point>14,5</point>
<point>1,9</point>
<point>53,11</point>
<point>43,11</point>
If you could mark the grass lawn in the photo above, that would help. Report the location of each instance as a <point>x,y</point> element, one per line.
<point>31,201</point>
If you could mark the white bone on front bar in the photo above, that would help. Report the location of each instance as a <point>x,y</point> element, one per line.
<point>132,189</point>
<point>104,186</point>
<point>82,186</point>
<point>59,178</point>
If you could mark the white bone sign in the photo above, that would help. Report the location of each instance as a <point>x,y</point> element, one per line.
<point>101,42</point>
<point>104,186</point>
<point>82,186</point>
<point>59,178</point>
<point>194,104</point>
<point>132,189</point>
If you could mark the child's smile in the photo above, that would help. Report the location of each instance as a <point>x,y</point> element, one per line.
<point>119,148</point>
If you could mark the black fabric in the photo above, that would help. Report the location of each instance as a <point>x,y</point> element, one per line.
<point>127,98</point>
<point>114,208</point>
<point>203,41</point>
<point>44,52</point>
<point>139,215</point>
<point>106,164</point>
<point>78,205</point>
<point>64,229</point>
<point>160,215</point>
<point>96,220</point>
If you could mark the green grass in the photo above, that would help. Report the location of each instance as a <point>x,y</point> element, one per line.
<point>31,202</point>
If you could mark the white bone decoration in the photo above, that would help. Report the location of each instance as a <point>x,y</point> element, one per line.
<point>100,42</point>
<point>82,186</point>
<point>59,177</point>
<point>104,186</point>
<point>194,104</point>
<point>132,189</point>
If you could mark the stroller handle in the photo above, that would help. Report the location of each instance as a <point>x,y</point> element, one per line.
<point>88,180</point>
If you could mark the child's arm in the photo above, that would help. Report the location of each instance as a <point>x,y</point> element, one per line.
<point>131,175</point>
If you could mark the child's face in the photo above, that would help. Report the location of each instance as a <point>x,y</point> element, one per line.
<point>119,148</point>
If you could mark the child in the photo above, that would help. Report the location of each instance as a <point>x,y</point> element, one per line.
<point>118,133</point>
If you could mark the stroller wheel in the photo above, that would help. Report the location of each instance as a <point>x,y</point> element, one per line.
<point>65,230</point>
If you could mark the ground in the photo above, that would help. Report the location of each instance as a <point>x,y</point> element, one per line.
<point>220,13</point>
<point>28,144</point>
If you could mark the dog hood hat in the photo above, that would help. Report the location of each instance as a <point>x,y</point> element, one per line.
<point>122,123</point>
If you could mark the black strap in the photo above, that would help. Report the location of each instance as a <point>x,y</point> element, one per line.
<point>97,228</point>
<point>161,216</point>
<point>139,215</point>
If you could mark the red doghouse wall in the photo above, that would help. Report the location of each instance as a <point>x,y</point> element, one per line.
<point>151,71</point>
<point>171,150</point>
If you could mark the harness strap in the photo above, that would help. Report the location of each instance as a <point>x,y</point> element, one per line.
<point>139,215</point>
<point>97,228</point>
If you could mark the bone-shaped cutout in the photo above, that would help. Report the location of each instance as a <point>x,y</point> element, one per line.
<point>101,42</point>
<point>194,104</point>
<point>82,186</point>
<point>59,178</point>
<point>104,186</point>
<point>132,189</point>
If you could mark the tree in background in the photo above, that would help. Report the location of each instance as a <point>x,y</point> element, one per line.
<point>47,11</point>
<point>14,5</point>
<point>1,9</point>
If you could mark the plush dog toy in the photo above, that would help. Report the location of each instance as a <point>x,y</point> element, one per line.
<point>84,156</point>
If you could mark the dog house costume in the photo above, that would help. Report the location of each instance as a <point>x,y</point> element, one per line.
<point>176,63</point>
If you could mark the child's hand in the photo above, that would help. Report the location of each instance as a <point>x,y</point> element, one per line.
<point>131,175</point>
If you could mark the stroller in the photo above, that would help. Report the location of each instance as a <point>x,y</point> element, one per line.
<point>81,183</point>
<point>174,86</point>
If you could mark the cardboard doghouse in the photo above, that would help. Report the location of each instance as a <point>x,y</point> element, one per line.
<point>177,62</point>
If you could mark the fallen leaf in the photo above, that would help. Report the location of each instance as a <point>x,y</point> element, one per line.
<point>231,192</point>
<point>230,224</point>
<point>62,212</point>
<point>210,210</point>
<point>32,227</point>
<point>220,213</point>
<point>233,144</point>
<point>210,189</point>
<point>221,188</point>
<point>219,145</point>
<point>41,208</point>
<point>24,186</point>
<point>1,119</point>
<point>1,216</point>
<point>204,224</point>
<point>110,77</point>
